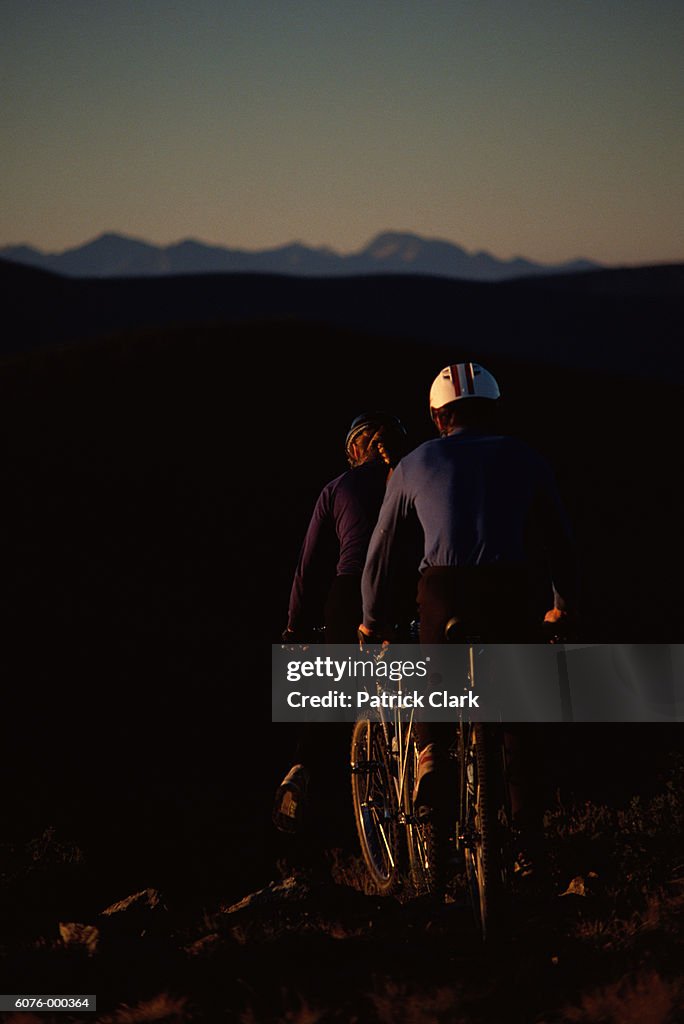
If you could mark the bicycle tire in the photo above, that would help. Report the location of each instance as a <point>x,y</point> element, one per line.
<point>484,828</point>
<point>376,809</point>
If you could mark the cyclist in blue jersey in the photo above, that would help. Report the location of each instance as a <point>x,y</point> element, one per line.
<point>496,539</point>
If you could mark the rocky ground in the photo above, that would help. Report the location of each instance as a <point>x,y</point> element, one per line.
<point>606,948</point>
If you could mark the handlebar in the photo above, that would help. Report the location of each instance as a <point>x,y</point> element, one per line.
<point>563,631</point>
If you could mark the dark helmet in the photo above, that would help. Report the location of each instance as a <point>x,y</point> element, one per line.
<point>387,430</point>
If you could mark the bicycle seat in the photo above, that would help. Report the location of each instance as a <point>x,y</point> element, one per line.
<point>462,631</point>
<point>457,631</point>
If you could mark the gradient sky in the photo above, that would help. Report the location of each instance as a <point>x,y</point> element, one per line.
<point>545,128</point>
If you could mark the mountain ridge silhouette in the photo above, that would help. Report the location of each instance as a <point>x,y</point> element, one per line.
<point>115,255</point>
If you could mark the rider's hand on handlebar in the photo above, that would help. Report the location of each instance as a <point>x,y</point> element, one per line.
<point>366,636</point>
<point>558,624</point>
<point>369,639</point>
<point>292,638</point>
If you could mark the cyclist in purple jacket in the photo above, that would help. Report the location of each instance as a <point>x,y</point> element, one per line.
<point>326,589</point>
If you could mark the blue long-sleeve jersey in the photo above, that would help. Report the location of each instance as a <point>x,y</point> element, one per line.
<point>481,499</point>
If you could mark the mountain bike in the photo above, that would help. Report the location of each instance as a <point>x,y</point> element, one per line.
<point>399,845</point>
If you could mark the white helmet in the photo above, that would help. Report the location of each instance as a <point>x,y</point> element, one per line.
<point>462,380</point>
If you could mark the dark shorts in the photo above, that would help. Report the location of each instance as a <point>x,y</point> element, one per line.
<point>492,602</point>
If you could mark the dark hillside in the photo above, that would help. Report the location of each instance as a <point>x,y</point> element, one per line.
<point>236,427</point>
<point>623,321</point>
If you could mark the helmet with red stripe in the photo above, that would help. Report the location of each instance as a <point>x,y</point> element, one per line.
<point>462,380</point>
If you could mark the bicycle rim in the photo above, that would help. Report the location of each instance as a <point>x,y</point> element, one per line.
<point>375,804</point>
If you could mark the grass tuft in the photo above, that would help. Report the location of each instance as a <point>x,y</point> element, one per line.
<point>162,1009</point>
<point>645,999</point>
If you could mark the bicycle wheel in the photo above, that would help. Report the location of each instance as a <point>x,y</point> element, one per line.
<point>484,827</point>
<point>376,809</point>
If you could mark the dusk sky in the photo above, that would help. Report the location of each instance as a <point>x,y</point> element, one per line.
<point>545,128</point>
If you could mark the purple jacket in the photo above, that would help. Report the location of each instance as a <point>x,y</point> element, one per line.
<point>337,539</point>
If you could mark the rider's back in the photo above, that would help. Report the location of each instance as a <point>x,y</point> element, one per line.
<point>474,494</point>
